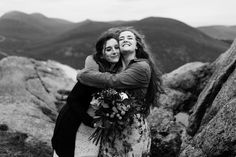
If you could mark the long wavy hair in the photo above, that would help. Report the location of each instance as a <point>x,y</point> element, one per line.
<point>143,52</point>
<point>104,65</point>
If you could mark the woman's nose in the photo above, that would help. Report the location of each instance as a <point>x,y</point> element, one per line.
<point>114,51</point>
<point>125,40</point>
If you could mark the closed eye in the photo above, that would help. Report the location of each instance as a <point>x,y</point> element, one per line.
<point>130,37</point>
<point>108,49</point>
<point>117,47</point>
<point>120,39</point>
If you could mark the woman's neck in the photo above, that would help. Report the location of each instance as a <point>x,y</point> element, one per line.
<point>128,57</point>
<point>112,65</point>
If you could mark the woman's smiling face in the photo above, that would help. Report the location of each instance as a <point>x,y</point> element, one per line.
<point>127,41</point>
<point>111,51</point>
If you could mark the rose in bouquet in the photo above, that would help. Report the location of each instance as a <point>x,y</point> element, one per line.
<point>114,110</point>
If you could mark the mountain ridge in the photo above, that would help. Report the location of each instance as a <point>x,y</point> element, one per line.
<point>173,43</point>
<point>220,32</point>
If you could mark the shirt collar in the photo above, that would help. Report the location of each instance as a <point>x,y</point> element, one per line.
<point>137,60</point>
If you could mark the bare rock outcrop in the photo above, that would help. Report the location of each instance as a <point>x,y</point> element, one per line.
<point>165,132</point>
<point>212,124</point>
<point>28,91</point>
<point>221,87</point>
<point>168,122</point>
<point>183,86</point>
<point>218,138</point>
<point>29,107</point>
<point>211,129</point>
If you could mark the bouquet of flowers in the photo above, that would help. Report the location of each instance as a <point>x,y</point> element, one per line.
<point>114,111</point>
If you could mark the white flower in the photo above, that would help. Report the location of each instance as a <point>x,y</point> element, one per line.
<point>114,109</point>
<point>122,112</point>
<point>123,96</point>
<point>95,103</point>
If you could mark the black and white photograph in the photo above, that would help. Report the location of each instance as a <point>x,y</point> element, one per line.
<point>117,78</point>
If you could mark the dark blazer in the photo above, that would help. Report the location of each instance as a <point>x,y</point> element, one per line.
<point>69,119</point>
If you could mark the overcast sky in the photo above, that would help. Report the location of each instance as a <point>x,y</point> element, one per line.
<point>191,12</point>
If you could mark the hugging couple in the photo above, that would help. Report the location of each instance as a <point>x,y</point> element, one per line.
<point>123,64</point>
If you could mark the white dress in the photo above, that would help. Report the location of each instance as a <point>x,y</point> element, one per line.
<point>83,146</point>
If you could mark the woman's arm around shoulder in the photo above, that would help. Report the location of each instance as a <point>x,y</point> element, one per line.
<point>90,63</point>
<point>135,75</point>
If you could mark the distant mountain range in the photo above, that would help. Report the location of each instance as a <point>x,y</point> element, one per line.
<point>173,43</point>
<point>227,33</point>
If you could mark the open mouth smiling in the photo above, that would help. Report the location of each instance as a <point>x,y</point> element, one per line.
<point>126,44</point>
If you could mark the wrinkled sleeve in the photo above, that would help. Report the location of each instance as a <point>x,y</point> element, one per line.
<point>136,75</point>
<point>90,63</point>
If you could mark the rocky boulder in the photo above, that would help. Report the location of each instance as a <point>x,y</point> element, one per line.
<point>29,105</point>
<point>168,122</point>
<point>183,86</point>
<point>218,138</point>
<point>212,123</point>
<point>166,133</point>
<point>219,90</point>
<point>28,91</point>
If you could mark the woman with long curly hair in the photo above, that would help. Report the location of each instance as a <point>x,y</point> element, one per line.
<point>141,79</point>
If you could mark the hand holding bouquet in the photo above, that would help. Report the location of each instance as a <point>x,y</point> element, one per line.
<point>113,112</point>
